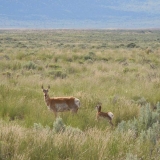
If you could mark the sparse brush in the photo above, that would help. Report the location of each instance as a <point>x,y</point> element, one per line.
<point>59,126</point>
<point>30,65</point>
<point>93,65</point>
<point>146,120</point>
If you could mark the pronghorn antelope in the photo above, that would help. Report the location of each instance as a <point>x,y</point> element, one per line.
<point>107,115</point>
<point>60,104</point>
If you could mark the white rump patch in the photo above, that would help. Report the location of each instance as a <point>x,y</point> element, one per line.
<point>77,102</point>
<point>110,115</point>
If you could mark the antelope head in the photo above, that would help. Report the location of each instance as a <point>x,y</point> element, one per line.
<point>98,107</point>
<point>45,91</point>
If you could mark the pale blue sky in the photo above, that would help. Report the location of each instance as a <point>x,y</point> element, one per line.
<point>80,14</point>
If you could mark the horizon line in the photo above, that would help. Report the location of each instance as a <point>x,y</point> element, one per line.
<point>23,28</point>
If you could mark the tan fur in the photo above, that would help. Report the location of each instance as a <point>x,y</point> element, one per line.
<point>60,104</point>
<point>103,114</point>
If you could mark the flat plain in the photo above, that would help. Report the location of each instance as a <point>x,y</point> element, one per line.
<point>118,68</point>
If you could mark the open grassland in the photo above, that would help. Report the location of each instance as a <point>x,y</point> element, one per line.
<point>120,69</point>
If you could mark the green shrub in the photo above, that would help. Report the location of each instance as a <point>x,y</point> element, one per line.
<point>39,127</point>
<point>55,66</point>
<point>20,56</point>
<point>57,74</point>
<point>152,134</point>
<point>146,119</point>
<point>131,45</point>
<point>30,65</point>
<point>58,125</point>
<point>140,100</point>
<point>90,56</point>
<point>125,70</point>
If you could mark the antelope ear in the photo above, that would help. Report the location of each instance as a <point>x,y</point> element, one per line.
<point>48,86</point>
<point>42,87</point>
<point>99,104</point>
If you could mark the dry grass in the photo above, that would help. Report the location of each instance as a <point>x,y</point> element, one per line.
<point>94,66</point>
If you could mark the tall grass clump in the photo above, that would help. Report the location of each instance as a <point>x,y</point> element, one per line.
<point>30,65</point>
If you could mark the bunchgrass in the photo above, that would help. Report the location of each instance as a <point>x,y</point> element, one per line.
<point>120,69</point>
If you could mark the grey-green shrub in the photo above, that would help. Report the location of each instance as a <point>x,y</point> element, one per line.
<point>59,126</point>
<point>30,65</point>
<point>39,127</point>
<point>152,134</point>
<point>146,119</point>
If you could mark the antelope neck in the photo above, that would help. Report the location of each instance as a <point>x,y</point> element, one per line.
<point>47,98</point>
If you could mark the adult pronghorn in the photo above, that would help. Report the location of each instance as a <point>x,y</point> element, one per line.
<point>61,104</point>
<point>107,115</point>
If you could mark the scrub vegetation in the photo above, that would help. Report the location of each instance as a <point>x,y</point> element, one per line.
<point>118,68</point>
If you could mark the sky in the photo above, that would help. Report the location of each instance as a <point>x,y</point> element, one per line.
<point>80,14</point>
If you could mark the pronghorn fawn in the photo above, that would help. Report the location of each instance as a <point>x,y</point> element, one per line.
<point>107,115</point>
<point>60,104</point>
